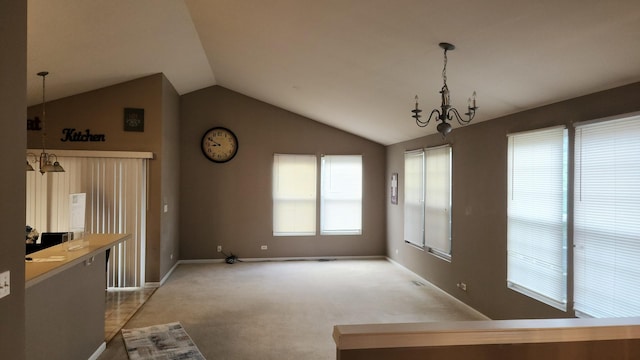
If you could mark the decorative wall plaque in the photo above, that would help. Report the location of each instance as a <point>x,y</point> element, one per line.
<point>133,119</point>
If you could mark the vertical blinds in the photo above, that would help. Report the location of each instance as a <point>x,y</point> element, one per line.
<point>294,194</point>
<point>414,197</point>
<point>536,215</point>
<point>115,203</point>
<point>607,218</point>
<point>341,195</point>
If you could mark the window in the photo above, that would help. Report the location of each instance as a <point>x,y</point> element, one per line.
<point>437,203</point>
<point>414,197</point>
<point>294,195</point>
<point>427,199</point>
<point>341,195</point>
<point>606,219</point>
<point>536,215</point>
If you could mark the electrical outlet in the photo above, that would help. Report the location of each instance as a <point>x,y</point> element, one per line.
<point>5,284</point>
<point>219,248</point>
<point>462,286</point>
<point>263,247</point>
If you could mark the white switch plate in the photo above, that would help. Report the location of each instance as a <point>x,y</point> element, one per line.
<point>263,247</point>
<point>5,284</point>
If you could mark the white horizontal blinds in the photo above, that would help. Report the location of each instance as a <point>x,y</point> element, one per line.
<point>414,197</point>
<point>607,218</point>
<point>294,194</point>
<point>115,203</point>
<point>437,213</point>
<point>341,195</point>
<point>536,215</point>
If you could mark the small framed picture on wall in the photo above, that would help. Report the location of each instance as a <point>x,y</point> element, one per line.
<point>133,119</point>
<point>394,188</point>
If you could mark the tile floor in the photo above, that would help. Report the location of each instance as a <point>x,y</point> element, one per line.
<point>121,305</point>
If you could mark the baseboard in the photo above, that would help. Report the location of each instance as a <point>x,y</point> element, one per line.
<point>439,289</point>
<point>293,258</point>
<point>96,354</point>
<point>201,261</point>
<point>313,258</point>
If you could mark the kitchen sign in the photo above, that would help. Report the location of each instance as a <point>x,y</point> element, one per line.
<point>73,135</point>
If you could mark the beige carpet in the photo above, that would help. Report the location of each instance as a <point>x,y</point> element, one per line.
<point>287,310</point>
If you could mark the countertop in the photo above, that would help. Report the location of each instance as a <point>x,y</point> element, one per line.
<point>53,260</point>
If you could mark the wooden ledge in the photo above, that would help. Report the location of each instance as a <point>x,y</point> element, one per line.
<point>92,245</point>
<point>377,336</point>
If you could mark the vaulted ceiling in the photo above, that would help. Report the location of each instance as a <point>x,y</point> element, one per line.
<point>352,64</point>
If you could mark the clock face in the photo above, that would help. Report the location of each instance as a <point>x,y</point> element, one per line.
<point>219,144</point>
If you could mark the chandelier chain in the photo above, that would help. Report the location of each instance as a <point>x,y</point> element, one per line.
<point>444,69</point>
<point>44,131</point>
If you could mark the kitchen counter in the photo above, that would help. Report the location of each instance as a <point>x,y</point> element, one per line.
<point>65,299</point>
<point>53,260</point>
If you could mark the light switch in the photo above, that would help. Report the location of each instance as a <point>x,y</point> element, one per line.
<point>5,284</point>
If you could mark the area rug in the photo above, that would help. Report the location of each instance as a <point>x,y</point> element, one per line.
<point>166,342</point>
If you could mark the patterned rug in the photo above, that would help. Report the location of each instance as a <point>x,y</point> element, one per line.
<point>166,342</point>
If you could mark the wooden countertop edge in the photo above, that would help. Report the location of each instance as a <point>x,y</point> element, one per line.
<point>64,265</point>
<point>373,336</point>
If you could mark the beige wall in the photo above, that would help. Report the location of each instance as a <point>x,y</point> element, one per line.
<point>479,203</point>
<point>169,232</point>
<point>73,298</point>
<point>101,111</point>
<point>13,87</point>
<point>230,204</point>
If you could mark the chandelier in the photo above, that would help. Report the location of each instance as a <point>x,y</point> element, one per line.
<point>47,162</point>
<point>446,112</point>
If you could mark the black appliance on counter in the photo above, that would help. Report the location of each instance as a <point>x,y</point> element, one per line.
<point>47,239</point>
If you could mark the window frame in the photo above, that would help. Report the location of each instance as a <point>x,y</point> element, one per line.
<point>306,195</point>
<point>417,184</point>
<point>330,174</point>
<point>538,211</point>
<point>612,292</point>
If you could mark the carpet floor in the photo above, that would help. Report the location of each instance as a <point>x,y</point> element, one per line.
<point>287,309</point>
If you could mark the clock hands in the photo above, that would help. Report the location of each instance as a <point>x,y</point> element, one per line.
<point>214,142</point>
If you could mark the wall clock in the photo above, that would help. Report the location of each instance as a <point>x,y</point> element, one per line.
<point>219,144</point>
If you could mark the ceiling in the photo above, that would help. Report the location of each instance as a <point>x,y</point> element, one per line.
<point>352,64</point>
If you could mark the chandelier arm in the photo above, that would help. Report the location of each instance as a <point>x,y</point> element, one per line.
<point>433,112</point>
<point>453,113</point>
<point>422,123</point>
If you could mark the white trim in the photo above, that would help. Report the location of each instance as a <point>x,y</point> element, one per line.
<point>612,117</point>
<point>536,130</point>
<point>442,291</point>
<point>166,276</point>
<point>314,258</point>
<point>98,154</point>
<point>96,354</point>
<point>301,258</point>
<point>537,296</point>
<point>201,261</point>
<point>125,289</point>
